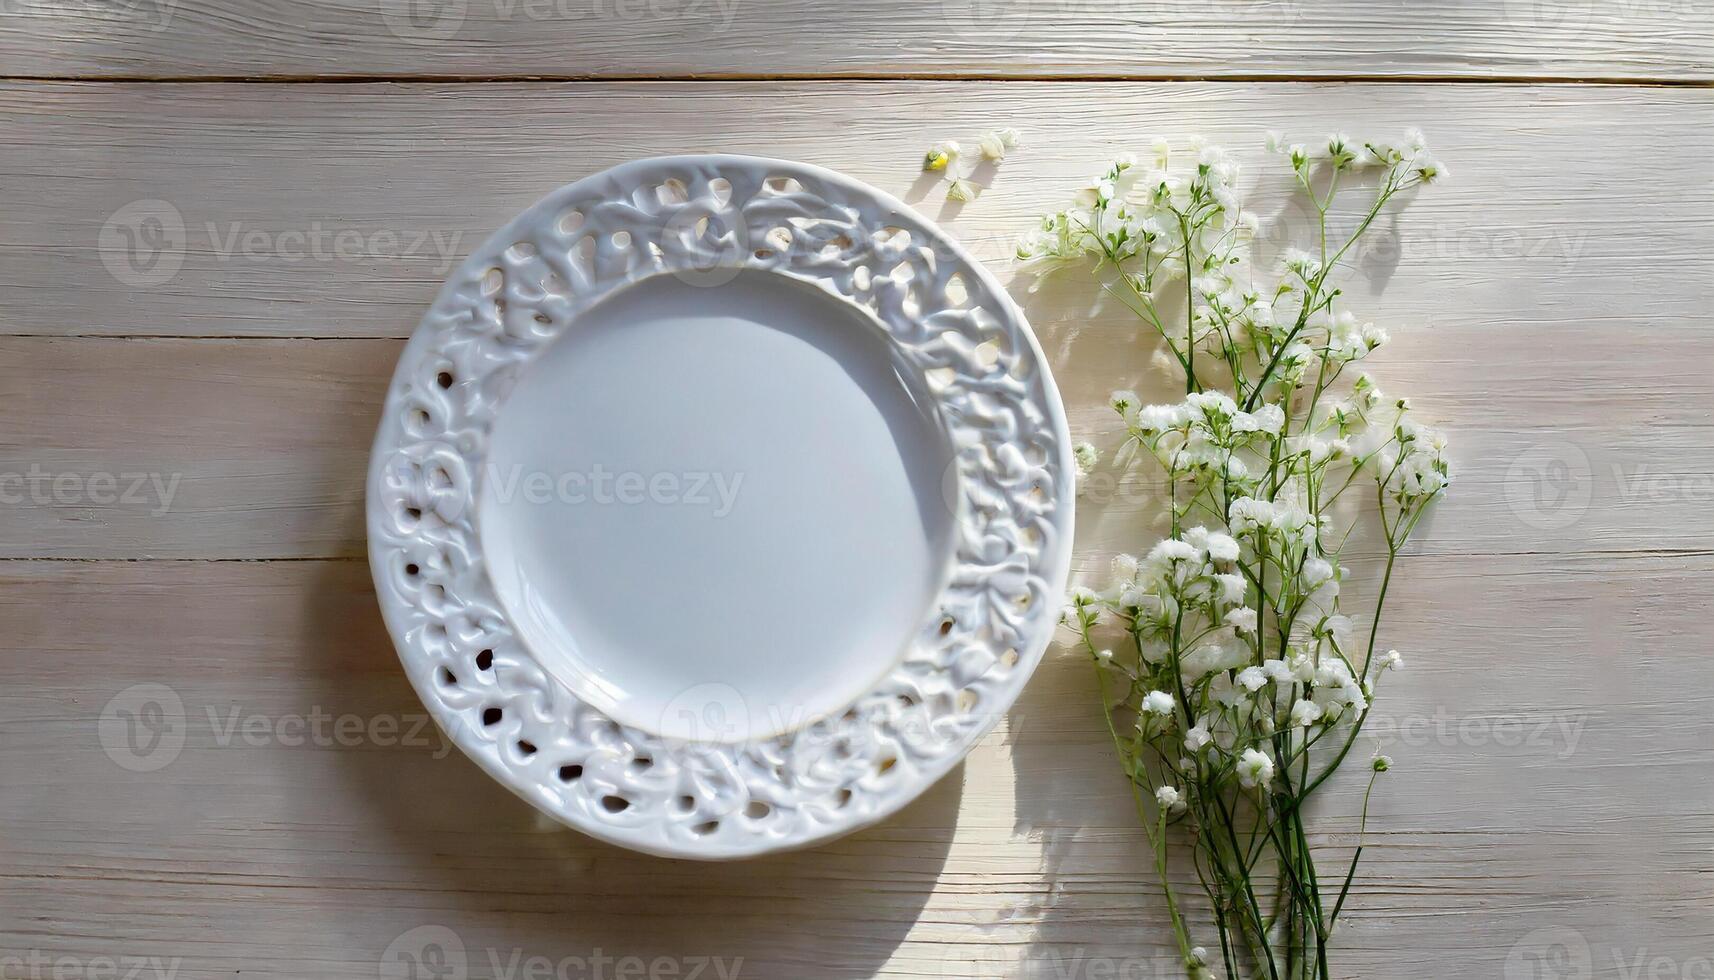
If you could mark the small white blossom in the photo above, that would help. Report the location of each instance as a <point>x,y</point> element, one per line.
<point>1305,714</point>
<point>1197,738</point>
<point>940,155</point>
<point>1315,572</point>
<point>1392,661</point>
<point>1125,567</point>
<point>1253,678</point>
<point>1269,418</point>
<point>996,143</point>
<point>1173,550</point>
<point>1158,703</point>
<point>1160,418</point>
<point>1254,769</point>
<point>1242,619</point>
<point>1382,763</point>
<point>1216,652</point>
<point>1212,404</point>
<point>1167,797</point>
<point>1301,263</point>
<point>1222,547</point>
<point>962,191</point>
<point>1086,456</point>
<point>1231,587</point>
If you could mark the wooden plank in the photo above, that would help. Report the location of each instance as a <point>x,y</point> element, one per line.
<point>161,448</point>
<point>343,214</point>
<point>309,860</point>
<point>1513,295</point>
<point>1650,39</point>
<point>218,448</point>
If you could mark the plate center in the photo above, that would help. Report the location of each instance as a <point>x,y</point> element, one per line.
<point>715,512</point>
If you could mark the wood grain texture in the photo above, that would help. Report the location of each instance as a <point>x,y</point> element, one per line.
<point>281,848</point>
<point>342,215</point>
<point>1542,276</point>
<point>222,449</point>
<point>1549,308</point>
<point>1639,39</point>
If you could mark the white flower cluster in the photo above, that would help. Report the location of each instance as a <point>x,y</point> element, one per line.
<point>1236,661</point>
<point>1286,474</point>
<point>1200,683</point>
<point>1135,212</point>
<point>1409,155</point>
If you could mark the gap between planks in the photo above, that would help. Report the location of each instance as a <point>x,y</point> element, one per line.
<point>1613,553</point>
<point>974,77</point>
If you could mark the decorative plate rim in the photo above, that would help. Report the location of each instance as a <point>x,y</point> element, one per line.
<point>513,295</point>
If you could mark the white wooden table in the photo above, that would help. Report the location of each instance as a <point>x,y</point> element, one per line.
<point>183,448</point>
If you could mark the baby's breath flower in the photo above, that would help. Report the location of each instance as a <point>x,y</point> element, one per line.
<point>1253,678</point>
<point>1316,571</point>
<point>1125,567</point>
<point>1079,606</point>
<point>962,191</point>
<point>1305,714</point>
<point>1158,703</point>
<point>1382,763</point>
<point>1254,769</point>
<point>1300,263</point>
<point>995,143</point>
<point>1275,425</point>
<point>1086,456</point>
<point>1221,547</point>
<point>1197,738</point>
<point>1231,588</point>
<point>940,156</point>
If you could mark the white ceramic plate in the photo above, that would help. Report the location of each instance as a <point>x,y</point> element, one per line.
<point>720,504</point>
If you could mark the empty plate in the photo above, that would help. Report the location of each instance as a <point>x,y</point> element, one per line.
<point>719,505</point>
